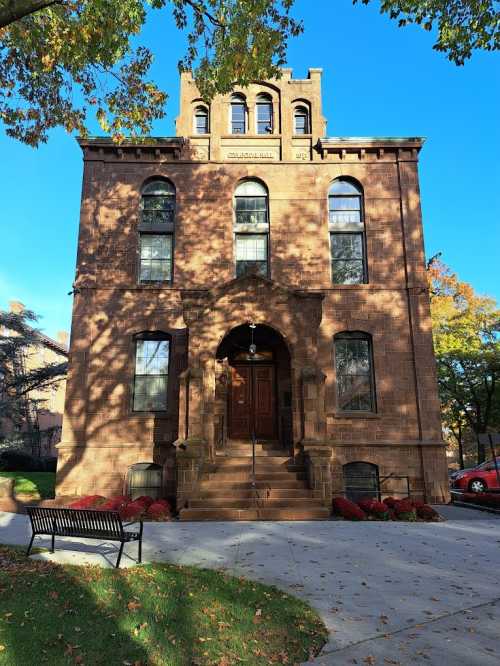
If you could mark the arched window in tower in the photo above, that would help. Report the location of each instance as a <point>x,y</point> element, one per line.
<point>347,232</point>
<point>251,228</point>
<point>238,114</point>
<point>156,232</point>
<point>201,124</point>
<point>301,124</point>
<point>264,115</point>
<point>354,372</point>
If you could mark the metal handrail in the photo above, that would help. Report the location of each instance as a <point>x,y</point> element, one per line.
<point>253,460</point>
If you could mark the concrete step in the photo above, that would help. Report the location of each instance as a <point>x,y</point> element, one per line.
<point>221,490</point>
<point>246,452</point>
<point>243,461</point>
<point>296,513</point>
<point>261,502</point>
<point>245,475</point>
<point>229,485</point>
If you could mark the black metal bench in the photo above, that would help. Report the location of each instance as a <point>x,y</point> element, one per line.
<point>83,524</point>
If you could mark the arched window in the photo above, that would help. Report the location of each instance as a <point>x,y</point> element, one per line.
<point>354,372</point>
<point>158,202</point>
<point>201,125</point>
<point>361,480</point>
<point>156,232</point>
<point>301,124</point>
<point>251,228</point>
<point>347,237</point>
<point>264,114</point>
<point>152,353</point>
<point>238,114</point>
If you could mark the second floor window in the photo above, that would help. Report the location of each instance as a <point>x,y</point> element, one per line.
<point>156,258</point>
<point>347,237</point>
<point>156,232</point>
<point>238,115</point>
<point>264,114</point>
<point>251,228</point>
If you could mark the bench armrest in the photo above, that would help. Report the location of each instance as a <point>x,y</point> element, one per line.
<point>134,522</point>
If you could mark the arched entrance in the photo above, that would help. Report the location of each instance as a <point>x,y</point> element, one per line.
<point>258,399</point>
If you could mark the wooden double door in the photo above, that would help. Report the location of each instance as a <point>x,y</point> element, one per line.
<point>252,401</point>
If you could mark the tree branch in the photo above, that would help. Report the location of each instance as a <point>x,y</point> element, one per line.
<point>203,12</point>
<point>21,8</point>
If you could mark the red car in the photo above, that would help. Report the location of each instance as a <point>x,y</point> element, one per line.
<point>478,479</point>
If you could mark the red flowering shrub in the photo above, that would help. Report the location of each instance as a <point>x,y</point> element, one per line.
<point>159,510</point>
<point>114,503</point>
<point>366,504</point>
<point>132,511</point>
<point>418,504</point>
<point>379,510</point>
<point>145,500</point>
<point>391,502</point>
<point>87,502</point>
<point>347,509</point>
<point>405,510</point>
<point>426,512</point>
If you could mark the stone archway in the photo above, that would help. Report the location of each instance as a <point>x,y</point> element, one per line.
<point>254,392</point>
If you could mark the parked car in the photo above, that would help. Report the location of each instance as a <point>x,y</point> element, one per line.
<point>477,479</point>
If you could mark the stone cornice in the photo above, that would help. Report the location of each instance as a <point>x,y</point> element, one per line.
<point>386,148</point>
<point>147,150</point>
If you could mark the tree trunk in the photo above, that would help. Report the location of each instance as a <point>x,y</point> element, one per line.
<point>460,447</point>
<point>481,451</point>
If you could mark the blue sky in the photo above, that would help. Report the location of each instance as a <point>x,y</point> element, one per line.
<point>378,79</point>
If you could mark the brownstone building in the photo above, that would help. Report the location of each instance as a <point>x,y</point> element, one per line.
<point>252,280</point>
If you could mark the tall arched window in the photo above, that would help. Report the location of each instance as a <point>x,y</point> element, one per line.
<point>201,125</point>
<point>354,372</point>
<point>301,124</point>
<point>156,232</point>
<point>238,114</point>
<point>152,353</point>
<point>347,237</point>
<point>251,228</point>
<point>264,114</point>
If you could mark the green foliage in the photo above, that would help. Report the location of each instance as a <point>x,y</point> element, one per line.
<point>33,483</point>
<point>54,53</point>
<point>19,340</point>
<point>466,332</point>
<point>153,614</point>
<point>462,25</point>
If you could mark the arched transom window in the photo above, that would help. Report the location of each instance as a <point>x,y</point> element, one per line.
<point>264,114</point>
<point>347,237</point>
<point>251,227</point>
<point>354,372</point>
<point>158,202</point>
<point>238,114</point>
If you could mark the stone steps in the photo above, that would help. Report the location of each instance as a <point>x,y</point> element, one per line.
<point>296,513</point>
<point>280,492</point>
<point>261,502</point>
<point>221,490</point>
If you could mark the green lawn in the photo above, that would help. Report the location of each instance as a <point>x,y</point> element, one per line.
<point>150,615</point>
<point>42,483</point>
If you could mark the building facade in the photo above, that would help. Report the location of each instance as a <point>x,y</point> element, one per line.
<point>251,278</point>
<point>39,431</point>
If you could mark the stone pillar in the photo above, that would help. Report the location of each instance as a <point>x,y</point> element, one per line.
<point>313,413</point>
<point>319,472</point>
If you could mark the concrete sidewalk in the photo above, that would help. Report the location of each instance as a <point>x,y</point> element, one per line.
<point>389,593</point>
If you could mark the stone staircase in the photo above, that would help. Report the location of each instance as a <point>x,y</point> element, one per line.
<point>280,493</point>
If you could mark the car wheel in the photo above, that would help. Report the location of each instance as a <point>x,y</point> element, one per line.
<point>477,486</point>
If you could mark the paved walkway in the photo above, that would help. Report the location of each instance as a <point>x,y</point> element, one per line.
<point>390,593</point>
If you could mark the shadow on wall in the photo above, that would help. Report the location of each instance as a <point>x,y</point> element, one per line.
<point>110,307</point>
